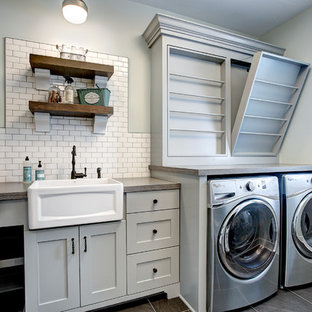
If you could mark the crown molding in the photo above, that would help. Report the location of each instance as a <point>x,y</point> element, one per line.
<point>179,28</point>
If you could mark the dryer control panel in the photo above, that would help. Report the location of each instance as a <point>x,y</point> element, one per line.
<point>222,191</point>
<point>296,183</point>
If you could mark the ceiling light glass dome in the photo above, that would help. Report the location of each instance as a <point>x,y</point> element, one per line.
<point>75,11</point>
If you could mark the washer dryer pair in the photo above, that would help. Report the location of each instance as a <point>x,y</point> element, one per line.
<point>243,241</point>
<point>296,257</point>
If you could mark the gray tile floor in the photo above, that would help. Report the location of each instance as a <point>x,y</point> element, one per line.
<point>294,300</point>
<point>288,300</point>
<point>157,303</point>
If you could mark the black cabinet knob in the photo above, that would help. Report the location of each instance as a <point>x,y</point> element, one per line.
<point>85,242</point>
<point>154,270</point>
<point>155,201</point>
<point>73,245</point>
<point>154,231</point>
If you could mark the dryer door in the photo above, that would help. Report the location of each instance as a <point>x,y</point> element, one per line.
<point>302,227</point>
<point>248,239</point>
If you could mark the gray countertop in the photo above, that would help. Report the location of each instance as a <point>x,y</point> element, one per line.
<point>18,190</point>
<point>13,190</point>
<point>234,169</point>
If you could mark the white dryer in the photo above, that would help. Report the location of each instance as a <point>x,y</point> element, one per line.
<point>243,241</point>
<point>297,230</point>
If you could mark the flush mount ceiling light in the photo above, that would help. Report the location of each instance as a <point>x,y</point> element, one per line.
<point>75,11</point>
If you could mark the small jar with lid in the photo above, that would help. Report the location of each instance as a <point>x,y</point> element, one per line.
<point>55,95</point>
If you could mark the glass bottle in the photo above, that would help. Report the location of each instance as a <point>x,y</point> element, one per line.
<point>69,90</point>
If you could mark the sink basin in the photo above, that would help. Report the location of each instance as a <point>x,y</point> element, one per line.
<point>54,203</point>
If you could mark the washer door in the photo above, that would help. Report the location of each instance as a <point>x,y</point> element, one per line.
<point>247,240</point>
<point>302,227</point>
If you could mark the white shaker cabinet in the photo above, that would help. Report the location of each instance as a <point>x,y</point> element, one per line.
<point>153,240</point>
<point>71,267</point>
<point>102,262</point>
<point>52,270</point>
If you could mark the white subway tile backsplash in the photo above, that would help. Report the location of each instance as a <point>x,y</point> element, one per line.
<point>119,153</point>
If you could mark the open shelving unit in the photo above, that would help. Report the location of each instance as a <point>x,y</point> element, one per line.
<point>71,110</point>
<point>270,96</point>
<point>196,104</point>
<point>72,68</point>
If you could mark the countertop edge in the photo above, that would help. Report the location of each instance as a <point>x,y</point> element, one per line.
<point>8,191</point>
<point>239,170</point>
<point>13,196</point>
<point>145,188</point>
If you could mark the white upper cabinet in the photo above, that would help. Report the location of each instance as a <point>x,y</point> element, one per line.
<point>270,96</point>
<point>205,107</point>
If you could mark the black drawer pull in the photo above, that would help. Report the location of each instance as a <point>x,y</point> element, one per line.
<point>155,270</point>
<point>85,243</point>
<point>154,231</point>
<point>73,245</point>
<point>155,201</point>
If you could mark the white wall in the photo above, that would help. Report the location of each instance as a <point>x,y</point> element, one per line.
<point>295,36</point>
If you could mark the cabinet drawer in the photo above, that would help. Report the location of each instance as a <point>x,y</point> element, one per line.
<point>153,269</point>
<point>152,230</point>
<point>151,201</point>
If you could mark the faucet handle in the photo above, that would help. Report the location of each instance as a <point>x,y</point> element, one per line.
<point>85,171</point>
<point>98,170</point>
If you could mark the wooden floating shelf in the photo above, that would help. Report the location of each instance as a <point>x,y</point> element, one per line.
<point>71,110</point>
<point>65,67</point>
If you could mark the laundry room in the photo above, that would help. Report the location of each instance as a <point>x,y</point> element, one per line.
<point>155,156</point>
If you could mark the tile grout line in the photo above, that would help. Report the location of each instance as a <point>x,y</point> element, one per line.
<point>151,305</point>
<point>300,296</point>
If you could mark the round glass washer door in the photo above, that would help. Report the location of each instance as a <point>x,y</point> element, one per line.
<point>302,227</point>
<point>248,238</point>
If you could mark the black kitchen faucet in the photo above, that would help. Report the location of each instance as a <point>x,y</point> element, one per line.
<point>74,174</point>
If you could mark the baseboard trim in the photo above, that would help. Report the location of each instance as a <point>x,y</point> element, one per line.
<point>186,303</point>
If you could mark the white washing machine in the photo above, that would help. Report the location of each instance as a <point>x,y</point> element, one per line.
<point>297,230</point>
<point>243,241</point>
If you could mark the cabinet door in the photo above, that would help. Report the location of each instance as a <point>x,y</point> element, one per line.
<point>52,270</point>
<point>102,261</point>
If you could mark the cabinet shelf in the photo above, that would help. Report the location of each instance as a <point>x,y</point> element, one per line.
<point>276,84</point>
<point>11,287</point>
<point>199,131</point>
<point>270,101</point>
<point>65,67</point>
<point>209,97</point>
<point>71,110</point>
<point>197,113</point>
<point>221,82</point>
<point>261,133</point>
<point>266,118</point>
<point>8,263</point>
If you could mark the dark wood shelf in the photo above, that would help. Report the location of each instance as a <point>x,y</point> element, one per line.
<point>71,110</point>
<point>65,67</point>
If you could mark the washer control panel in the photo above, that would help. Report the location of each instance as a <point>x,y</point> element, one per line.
<point>221,191</point>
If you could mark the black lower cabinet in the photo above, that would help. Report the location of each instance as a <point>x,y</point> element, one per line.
<point>12,293</point>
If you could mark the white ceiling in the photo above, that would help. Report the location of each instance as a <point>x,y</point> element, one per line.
<point>253,17</point>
